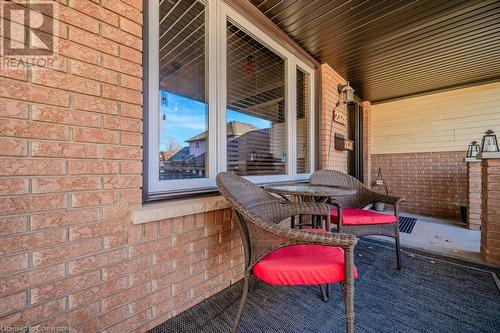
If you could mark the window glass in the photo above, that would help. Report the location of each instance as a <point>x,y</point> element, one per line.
<point>303,116</point>
<point>183,94</point>
<point>256,127</point>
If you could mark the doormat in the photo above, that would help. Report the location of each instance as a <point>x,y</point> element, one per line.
<point>406,224</point>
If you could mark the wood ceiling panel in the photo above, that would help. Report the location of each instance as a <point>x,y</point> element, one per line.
<point>394,48</point>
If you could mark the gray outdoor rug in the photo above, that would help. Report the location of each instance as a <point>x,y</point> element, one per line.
<point>430,294</point>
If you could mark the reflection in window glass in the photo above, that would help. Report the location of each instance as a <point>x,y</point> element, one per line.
<point>183,102</point>
<point>256,128</point>
<point>303,116</point>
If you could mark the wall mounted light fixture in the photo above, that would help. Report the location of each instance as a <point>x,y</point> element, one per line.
<point>346,93</point>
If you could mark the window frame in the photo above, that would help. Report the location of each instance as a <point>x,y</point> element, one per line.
<point>156,186</point>
<point>217,15</point>
<point>300,65</point>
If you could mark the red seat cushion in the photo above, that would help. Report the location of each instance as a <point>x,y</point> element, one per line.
<point>353,216</point>
<point>302,265</point>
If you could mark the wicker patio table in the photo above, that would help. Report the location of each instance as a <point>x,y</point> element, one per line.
<point>304,192</point>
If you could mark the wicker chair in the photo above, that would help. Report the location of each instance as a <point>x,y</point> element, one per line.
<point>258,215</point>
<point>351,218</point>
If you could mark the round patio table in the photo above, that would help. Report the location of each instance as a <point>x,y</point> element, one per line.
<point>309,192</point>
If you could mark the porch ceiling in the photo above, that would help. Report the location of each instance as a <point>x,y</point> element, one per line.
<point>395,48</point>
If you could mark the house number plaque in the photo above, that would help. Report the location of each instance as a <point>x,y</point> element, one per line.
<point>339,117</point>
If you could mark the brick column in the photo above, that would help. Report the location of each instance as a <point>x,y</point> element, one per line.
<point>473,193</point>
<point>490,207</point>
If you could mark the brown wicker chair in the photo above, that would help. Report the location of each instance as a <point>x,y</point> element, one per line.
<point>259,213</point>
<point>363,197</point>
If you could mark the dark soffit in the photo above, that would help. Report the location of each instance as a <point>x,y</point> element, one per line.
<point>391,49</point>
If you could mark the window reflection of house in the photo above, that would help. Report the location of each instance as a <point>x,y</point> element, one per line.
<point>175,166</point>
<point>234,129</point>
<point>253,154</point>
<point>242,140</point>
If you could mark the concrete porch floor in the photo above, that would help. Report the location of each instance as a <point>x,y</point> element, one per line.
<point>442,236</point>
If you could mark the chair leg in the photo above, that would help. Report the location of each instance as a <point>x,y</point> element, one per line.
<point>349,310</point>
<point>242,304</point>
<point>398,252</point>
<point>349,290</point>
<point>253,282</point>
<point>325,292</point>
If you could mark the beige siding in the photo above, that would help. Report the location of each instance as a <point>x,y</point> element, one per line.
<point>445,121</point>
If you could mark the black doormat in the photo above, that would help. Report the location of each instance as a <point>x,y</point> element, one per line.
<point>406,224</point>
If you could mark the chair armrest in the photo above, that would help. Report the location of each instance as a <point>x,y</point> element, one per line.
<point>301,236</point>
<point>385,198</point>
<point>311,208</point>
<point>278,211</point>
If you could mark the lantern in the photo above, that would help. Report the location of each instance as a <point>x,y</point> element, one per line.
<point>347,92</point>
<point>473,149</point>
<point>490,142</point>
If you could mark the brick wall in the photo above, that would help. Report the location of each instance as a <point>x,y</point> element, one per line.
<point>331,158</point>
<point>70,168</point>
<point>474,195</point>
<point>490,210</point>
<point>434,184</point>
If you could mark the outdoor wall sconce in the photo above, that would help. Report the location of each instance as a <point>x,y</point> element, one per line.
<point>346,93</point>
<point>490,142</point>
<point>473,149</point>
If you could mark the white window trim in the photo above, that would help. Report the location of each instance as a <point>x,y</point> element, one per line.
<point>312,119</point>
<point>219,12</point>
<point>155,185</point>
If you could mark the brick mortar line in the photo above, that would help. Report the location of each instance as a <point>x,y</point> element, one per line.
<point>153,304</point>
<point>68,92</point>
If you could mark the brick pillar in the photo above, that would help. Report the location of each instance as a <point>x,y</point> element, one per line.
<point>490,207</point>
<point>473,193</point>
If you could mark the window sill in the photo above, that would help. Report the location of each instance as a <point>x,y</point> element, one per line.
<point>169,209</point>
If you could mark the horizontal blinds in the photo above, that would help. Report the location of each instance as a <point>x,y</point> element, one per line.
<point>303,118</point>
<point>256,129</point>
<point>182,48</point>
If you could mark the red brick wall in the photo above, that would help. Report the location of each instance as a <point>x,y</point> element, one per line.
<point>434,184</point>
<point>490,210</point>
<point>330,157</point>
<point>474,195</point>
<point>70,168</point>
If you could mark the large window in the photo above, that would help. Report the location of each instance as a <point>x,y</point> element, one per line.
<point>256,113</point>
<point>183,99</point>
<point>221,96</point>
